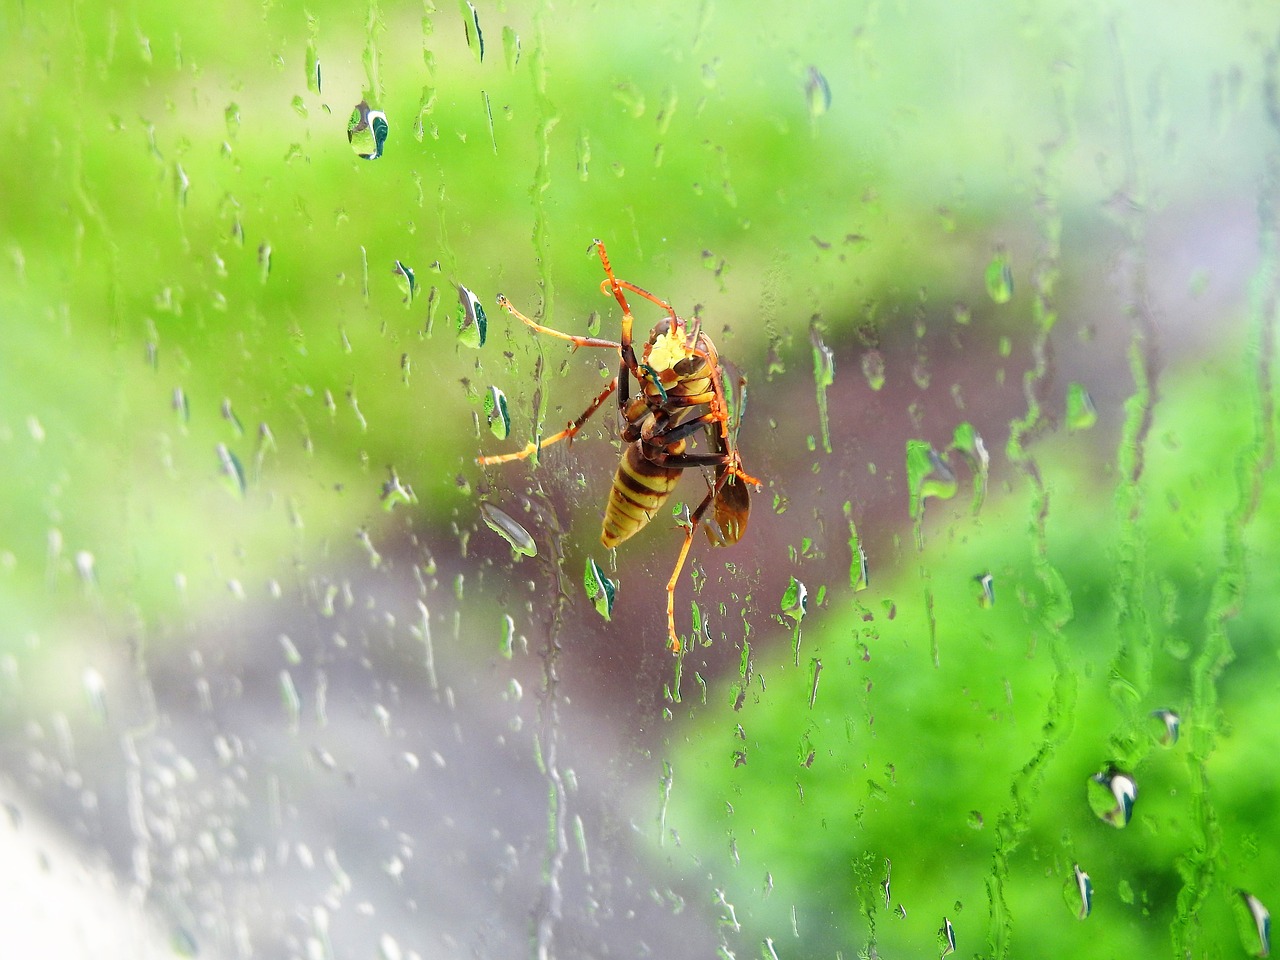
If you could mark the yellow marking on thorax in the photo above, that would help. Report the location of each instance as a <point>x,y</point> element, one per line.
<point>666,351</point>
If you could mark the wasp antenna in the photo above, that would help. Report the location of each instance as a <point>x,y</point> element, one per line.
<point>604,258</point>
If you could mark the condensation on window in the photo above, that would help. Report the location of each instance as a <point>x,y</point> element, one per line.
<point>616,480</point>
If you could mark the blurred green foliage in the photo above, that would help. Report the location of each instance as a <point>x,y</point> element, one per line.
<point>965,782</point>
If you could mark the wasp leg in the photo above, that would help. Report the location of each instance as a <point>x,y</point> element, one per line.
<point>630,365</point>
<point>663,434</point>
<point>567,433</point>
<point>673,641</point>
<point>725,460</point>
<point>639,291</point>
<point>576,340</point>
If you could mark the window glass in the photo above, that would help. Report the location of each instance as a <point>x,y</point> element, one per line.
<point>948,338</point>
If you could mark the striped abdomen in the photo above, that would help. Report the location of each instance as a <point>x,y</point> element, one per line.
<point>640,487</point>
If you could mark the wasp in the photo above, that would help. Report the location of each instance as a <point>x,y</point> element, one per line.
<point>680,393</point>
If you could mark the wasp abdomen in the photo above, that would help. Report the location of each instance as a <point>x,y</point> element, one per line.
<point>639,488</point>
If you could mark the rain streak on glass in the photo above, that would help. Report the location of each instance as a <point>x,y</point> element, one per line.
<point>824,375</point>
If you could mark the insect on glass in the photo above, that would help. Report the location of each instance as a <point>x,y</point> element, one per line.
<point>681,394</point>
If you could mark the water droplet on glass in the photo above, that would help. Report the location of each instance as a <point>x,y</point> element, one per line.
<point>987,598</point>
<point>584,155</point>
<point>511,47</point>
<point>873,368</point>
<point>824,375</point>
<point>95,689</point>
<point>999,278</point>
<point>488,112</point>
<point>229,415</point>
<point>508,636</point>
<point>947,937</point>
<point>506,527</point>
<point>231,116</point>
<point>601,591</point>
<point>1081,414</point>
<point>815,672</point>
<point>859,578</point>
<point>183,943</point>
<point>408,281</point>
<point>1078,893</point>
<point>496,412</point>
<point>367,131</point>
<point>264,261</point>
<point>313,68</point>
<point>471,22</point>
<point>1169,724</point>
<point>795,600</point>
<point>181,405</point>
<point>1111,796</point>
<point>85,567</point>
<point>968,443</point>
<point>1254,922</point>
<point>817,93</point>
<point>181,184</point>
<point>231,470</point>
<point>631,97</point>
<point>388,948</point>
<point>290,699</point>
<point>266,444</point>
<point>292,655</point>
<point>473,325</point>
<point>395,492</point>
<point>928,475</point>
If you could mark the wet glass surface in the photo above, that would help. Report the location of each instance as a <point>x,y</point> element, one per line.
<point>312,646</point>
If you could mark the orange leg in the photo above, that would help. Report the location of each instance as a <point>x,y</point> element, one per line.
<point>615,286</point>
<point>673,641</point>
<point>567,433</point>
<point>626,349</point>
<point>572,338</point>
<point>606,286</point>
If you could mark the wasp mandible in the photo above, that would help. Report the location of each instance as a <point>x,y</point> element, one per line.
<point>681,392</point>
